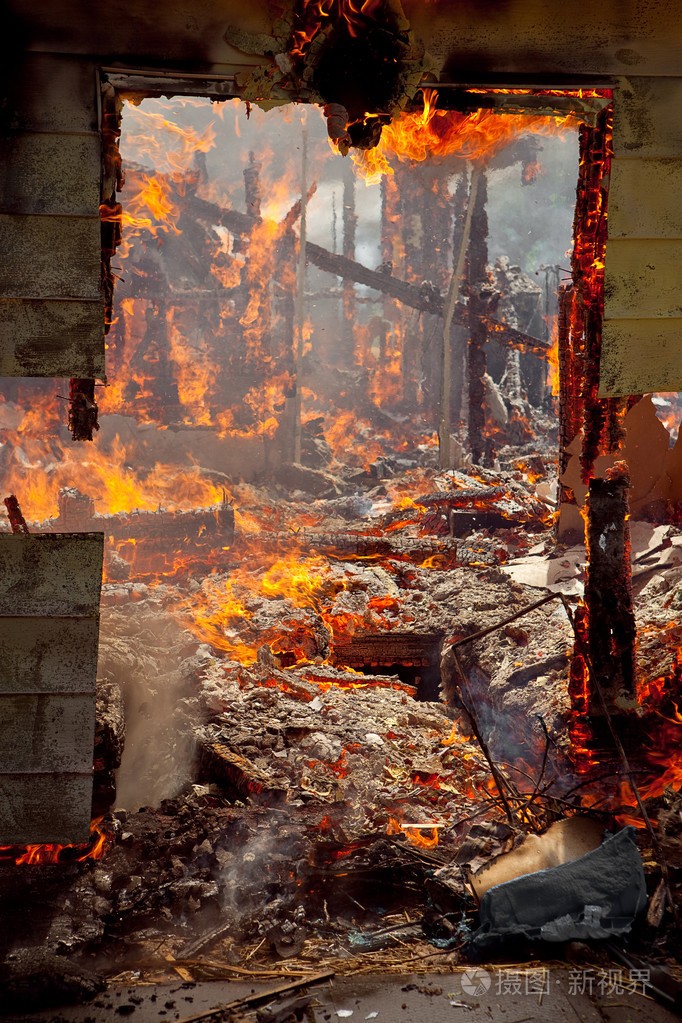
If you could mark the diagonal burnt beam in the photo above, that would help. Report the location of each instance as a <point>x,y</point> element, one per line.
<point>426,300</point>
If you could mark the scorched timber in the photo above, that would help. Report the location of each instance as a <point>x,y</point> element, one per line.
<point>426,300</point>
<point>360,545</point>
<point>198,523</point>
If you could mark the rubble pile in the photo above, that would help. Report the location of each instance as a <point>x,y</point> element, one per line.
<point>267,804</point>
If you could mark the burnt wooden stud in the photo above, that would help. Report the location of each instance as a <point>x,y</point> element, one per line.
<point>611,629</point>
<point>478,260</point>
<point>83,409</point>
<point>350,220</point>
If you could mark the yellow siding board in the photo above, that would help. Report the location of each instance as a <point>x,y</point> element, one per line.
<point>643,278</point>
<point>641,356</point>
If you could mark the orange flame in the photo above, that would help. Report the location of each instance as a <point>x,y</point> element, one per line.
<point>54,853</point>
<point>435,133</point>
<point>423,836</point>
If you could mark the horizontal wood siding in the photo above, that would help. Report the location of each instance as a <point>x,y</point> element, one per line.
<point>49,623</point>
<point>642,355</point>
<point>51,337</point>
<point>642,336</point>
<point>50,166</point>
<point>48,655</point>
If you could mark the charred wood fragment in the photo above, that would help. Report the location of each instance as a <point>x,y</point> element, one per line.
<point>611,629</point>
<point>361,545</point>
<point>16,519</point>
<point>237,775</point>
<point>83,409</point>
<point>77,514</point>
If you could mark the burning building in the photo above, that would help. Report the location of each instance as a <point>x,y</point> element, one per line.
<point>342,561</point>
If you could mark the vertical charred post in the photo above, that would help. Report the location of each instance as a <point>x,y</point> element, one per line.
<point>253,193</point>
<point>478,261</point>
<point>459,205</point>
<point>582,308</point>
<point>112,181</point>
<point>611,629</point>
<point>153,387</point>
<point>590,232</point>
<point>14,514</point>
<point>571,375</point>
<point>349,220</point>
<point>83,409</point>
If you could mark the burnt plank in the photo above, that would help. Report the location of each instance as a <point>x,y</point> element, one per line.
<point>51,338</point>
<point>52,807</point>
<point>640,203</point>
<point>49,256</point>
<point>51,574</point>
<point>646,118</point>
<point>48,655</point>
<point>238,774</point>
<point>47,732</point>
<point>51,92</point>
<point>50,174</point>
<point>640,356</point>
<point>642,279</point>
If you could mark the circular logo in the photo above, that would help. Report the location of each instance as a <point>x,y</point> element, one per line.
<point>476,982</point>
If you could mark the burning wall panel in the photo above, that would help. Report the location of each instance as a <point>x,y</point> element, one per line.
<point>49,618</point>
<point>51,313</point>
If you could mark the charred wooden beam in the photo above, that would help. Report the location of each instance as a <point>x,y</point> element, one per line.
<point>238,775</point>
<point>458,337</point>
<point>349,221</point>
<point>611,628</point>
<point>424,297</point>
<point>83,409</point>
<point>77,514</point>
<point>582,308</point>
<point>476,362</point>
<point>570,330</point>
<point>358,545</point>
<point>253,192</point>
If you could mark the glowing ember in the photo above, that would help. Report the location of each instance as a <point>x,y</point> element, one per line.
<point>51,853</point>
<point>423,836</point>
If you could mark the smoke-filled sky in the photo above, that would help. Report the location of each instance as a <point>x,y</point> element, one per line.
<point>532,224</point>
